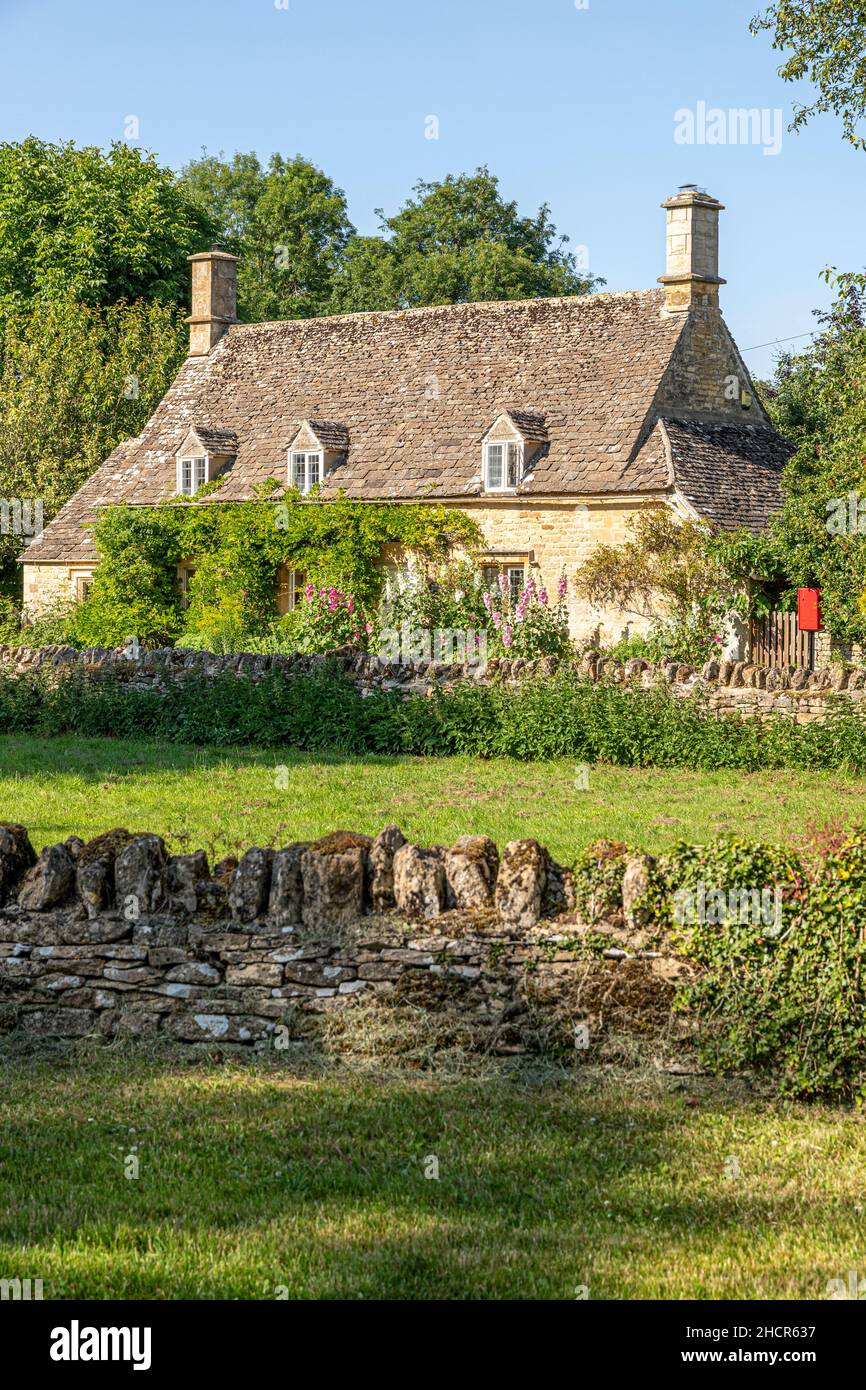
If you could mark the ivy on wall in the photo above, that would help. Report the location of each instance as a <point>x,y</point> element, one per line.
<point>237,549</point>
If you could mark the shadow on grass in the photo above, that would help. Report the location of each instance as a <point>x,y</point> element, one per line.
<point>346,1187</point>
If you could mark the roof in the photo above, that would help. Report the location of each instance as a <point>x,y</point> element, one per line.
<point>748,458</point>
<point>215,440</point>
<point>332,436</point>
<point>414,392</point>
<point>530,423</point>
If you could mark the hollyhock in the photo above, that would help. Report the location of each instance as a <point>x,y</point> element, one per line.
<point>562,587</point>
<point>542,597</point>
<point>497,619</point>
<point>503,584</point>
<point>488,602</point>
<point>507,636</point>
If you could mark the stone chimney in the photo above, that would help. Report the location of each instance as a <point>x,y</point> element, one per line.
<point>691,278</point>
<point>214,299</point>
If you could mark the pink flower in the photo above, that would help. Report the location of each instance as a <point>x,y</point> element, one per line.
<point>507,635</point>
<point>309,592</point>
<point>562,587</point>
<point>542,597</point>
<point>488,602</point>
<point>503,584</point>
<point>497,619</point>
<point>369,627</point>
<point>350,603</point>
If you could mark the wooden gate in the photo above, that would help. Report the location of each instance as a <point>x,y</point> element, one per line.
<point>777,641</point>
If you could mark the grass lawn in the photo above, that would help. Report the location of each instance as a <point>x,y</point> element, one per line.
<point>254,1176</point>
<point>210,799</point>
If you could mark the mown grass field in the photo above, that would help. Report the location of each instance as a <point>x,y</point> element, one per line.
<point>221,802</point>
<point>255,1178</point>
<point>262,1176</point>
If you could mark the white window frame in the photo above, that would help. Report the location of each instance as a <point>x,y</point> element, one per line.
<point>295,584</point>
<point>506,446</point>
<point>305,459</point>
<point>491,570</point>
<point>197,467</point>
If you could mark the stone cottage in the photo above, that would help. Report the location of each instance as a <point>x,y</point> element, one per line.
<point>551,421</point>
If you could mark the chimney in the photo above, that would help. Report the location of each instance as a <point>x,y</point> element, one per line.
<point>691,279</point>
<point>214,299</point>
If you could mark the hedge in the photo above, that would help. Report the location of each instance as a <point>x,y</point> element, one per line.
<point>779,942</point>
<point>559,717</point>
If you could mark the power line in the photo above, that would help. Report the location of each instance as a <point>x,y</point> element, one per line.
<point>778,340</point>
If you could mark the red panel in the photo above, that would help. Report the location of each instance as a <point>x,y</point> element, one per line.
<point>809,610</point>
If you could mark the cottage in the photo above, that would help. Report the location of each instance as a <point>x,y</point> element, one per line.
<point>551,421</point>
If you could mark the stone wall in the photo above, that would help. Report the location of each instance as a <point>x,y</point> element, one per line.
<point>116,937</point>
<point>731,687</point>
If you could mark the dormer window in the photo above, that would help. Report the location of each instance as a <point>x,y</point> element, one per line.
<point>191,475</point>
<point>315,450</point>
<point>503,465</point>
<point>306,469</point>
<point>205,453</point>
<point>511,448</point>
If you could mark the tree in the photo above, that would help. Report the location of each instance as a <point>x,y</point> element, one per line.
<point>288,224</point>
<point>819,403</point>
<point>457,241</point>
<point>665,559</point>
<point>102,227</point>
<point>827,44</point>
<point>667,571</point>
<point>74,381</point>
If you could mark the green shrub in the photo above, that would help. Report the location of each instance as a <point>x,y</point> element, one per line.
<point>778,940</point>
<point>597,877</point>
<point>788,995</point>
<point>558,717</point>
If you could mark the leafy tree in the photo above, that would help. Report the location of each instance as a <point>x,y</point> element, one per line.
<point>668,572</point>
<point>74,381</point>
<point>103,227</point>
<point>287,223</point>
<point>664,558</point>
<point>819,403</point>
<point>457,241</point>
<point>826,41</point>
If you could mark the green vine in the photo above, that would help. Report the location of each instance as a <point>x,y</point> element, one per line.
<point>237,549</point>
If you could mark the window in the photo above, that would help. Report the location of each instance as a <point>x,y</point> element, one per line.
<point>83,586</point>
<point>306,470</point>
<point>186,574</point>
<point>503,465</point>
<point>512,573</point>
<point>191,475</point>
<point>290,589</point>
<point>398,577</point>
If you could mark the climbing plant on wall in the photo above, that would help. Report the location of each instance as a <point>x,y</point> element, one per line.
<point>237,550</point>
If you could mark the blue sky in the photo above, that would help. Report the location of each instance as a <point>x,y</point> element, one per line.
<point>572,106</point>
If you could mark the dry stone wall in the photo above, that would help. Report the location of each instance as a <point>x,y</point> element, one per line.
<point>117,937</point>
<point>731,687</point>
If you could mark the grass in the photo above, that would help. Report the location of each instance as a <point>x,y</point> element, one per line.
<point>207,798</point>
<point>255,1177</point>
